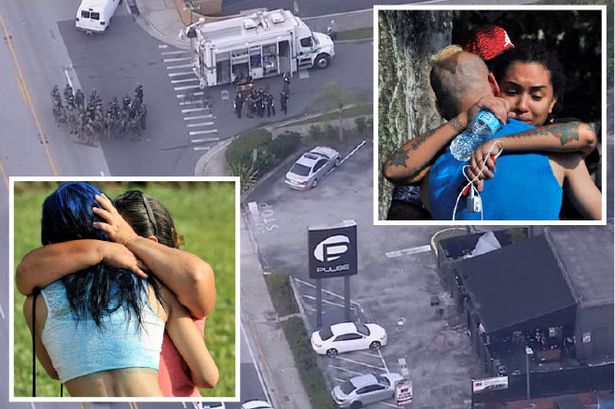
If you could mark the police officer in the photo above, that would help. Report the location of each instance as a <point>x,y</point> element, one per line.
<point>68,93</point>
<point>284,101</point>
<point>55,96</point>
<point>79,99</point>
<point>238,104</point>
<point>139,92</point>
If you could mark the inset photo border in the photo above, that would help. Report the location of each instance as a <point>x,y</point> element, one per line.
<point>193,265</point>
<point>547,163</point>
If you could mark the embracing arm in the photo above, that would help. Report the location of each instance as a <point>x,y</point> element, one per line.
<point>44,265</point>
<point>411,162</point>
<point>581,189</point>
<point>188,341</point>
<point>41,352</point>
<point>190,278</point>
<point>187,275</point>
<point>565,137</point>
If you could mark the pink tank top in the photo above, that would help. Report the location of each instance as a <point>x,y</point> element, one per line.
<point>174,374</point>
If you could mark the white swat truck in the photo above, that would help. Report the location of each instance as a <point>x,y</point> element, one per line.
<point>257,45</point>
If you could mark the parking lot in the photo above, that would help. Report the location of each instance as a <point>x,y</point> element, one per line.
<point>396,286</point>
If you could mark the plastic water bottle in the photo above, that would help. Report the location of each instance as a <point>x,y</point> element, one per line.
<point>484,124</point>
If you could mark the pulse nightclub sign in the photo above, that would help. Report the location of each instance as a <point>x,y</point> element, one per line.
<point>333,250</point>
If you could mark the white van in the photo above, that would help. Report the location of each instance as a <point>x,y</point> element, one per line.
<point>95,15</point>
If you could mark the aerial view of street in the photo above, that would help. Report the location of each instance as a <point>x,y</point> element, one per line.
<point>281,96</point>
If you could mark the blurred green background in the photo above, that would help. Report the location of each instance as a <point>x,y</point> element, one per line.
<point>204,213</point>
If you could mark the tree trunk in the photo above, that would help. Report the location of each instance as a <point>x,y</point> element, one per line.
<point>406,104</point>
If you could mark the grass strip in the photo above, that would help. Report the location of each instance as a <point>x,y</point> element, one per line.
<point>299,341</point>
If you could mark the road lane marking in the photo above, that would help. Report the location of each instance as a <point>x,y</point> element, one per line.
<point>190,118</point>
<point>254,362</point>
<point>68,78</point>
<point>203,140</point>
<point>200,148</point>
<point>41,133</point>
<point>1,312</point>
<point>199,124</point>
<point>352,361</point>
<point>178,59</point>
<point>179,74</point>
<point>185,87</point>
<point>184,80</point>
<point>22,89</point>
<point>183,103</point>
<point>187,110</point>
<point>208,131</point>
<point>164,46</point>
<point>408,252</point>
<point>173,52</point>
<point>177,67</point>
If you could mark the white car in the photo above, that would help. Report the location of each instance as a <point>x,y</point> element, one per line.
<point>365,389</point>
<point>311,167</point>
<point>348,336</point>
<point>256,404</point>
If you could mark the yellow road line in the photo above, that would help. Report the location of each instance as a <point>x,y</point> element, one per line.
<point>28,99</point>
<point>4,175</point>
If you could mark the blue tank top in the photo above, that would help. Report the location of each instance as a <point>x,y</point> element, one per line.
<point>523,188</point>
<point>79,348</point>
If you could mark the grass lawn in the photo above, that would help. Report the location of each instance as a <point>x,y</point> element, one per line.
<point>204,213</point>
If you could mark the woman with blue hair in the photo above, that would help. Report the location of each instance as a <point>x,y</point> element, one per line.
<point>118,317</point>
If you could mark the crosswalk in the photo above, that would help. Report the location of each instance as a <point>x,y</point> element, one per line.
<point>192,102</point>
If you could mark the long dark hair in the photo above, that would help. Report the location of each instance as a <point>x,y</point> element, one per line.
<point>101,289</point>
<point>147,217</point>
<point>532,52</point>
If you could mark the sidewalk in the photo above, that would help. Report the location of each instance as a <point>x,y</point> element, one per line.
<point>270,348</point>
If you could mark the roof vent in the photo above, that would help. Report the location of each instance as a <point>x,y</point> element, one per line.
<point>250,23</point>
<point>277,17</point>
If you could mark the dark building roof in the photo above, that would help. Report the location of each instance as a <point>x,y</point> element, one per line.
<point>518,286</point>
<point>459,246</point>
<point>586,253</point>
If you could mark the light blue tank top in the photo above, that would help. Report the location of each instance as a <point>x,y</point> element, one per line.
<point>79,348</point>
<point>524,186</point>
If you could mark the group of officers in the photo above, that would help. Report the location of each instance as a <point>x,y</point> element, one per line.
<point>87,120</point>
<point>259,102</point>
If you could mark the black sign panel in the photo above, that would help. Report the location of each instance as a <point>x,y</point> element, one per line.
<point>332,251</point>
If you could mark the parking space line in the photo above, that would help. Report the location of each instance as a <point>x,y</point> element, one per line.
<point>331,293</point>
<point>368,354</point>
<point>389,404</point>
<point>309,297</point>
<point>339,368</point>
<point>383,361</point>
<point>408,252</point>
<point>352,361</point>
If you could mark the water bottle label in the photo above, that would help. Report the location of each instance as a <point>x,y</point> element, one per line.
<point>490,120</point>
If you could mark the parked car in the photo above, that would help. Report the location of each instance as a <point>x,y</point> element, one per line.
<point>256,404</point>
<point>311,167</point>
<point>365,389</point>
<point>348,336</point>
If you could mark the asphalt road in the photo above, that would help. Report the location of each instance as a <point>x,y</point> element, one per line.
<point>307,8</point>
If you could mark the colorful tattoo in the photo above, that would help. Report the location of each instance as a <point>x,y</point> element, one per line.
<point>564,132</point>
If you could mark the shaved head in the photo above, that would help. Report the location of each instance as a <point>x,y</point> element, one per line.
<point>459,79</point>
